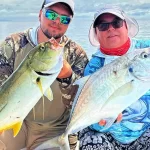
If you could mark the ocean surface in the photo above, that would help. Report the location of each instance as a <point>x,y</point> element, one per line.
<point>78,30</point>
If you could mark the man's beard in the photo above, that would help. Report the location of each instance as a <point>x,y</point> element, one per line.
<point>49,35</point>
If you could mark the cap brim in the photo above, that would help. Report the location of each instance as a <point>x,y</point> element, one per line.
<point>110,11</point>
<point>60,1</point>
<point>133,27</point>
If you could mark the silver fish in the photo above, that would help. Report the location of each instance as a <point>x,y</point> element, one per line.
<point>106,93</point>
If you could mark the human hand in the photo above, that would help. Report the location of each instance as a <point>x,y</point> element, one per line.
<point>103,122</point>
<point>66,71</point>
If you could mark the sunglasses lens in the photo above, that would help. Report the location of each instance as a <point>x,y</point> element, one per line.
<point>65,19</point>
<point>118,23</point>
<point>103,26</point>
<point>51,15</point>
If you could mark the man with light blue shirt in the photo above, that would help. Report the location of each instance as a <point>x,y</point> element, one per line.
<point>112,32</point>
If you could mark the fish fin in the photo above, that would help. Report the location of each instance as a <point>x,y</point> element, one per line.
<point>16,128</point>
<point>49,94</point>
<point>123,90</point>
<point>112,101</point>
<point>39,83</point>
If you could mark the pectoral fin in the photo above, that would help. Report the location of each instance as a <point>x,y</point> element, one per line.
<point>49,94</point>
<point>38,81</point>
<point>116,102</point>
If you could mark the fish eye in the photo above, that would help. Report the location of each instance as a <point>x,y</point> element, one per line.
<point>144,55</point>
<point>42,48</point>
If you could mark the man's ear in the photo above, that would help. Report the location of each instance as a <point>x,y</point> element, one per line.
<point>40,13</point>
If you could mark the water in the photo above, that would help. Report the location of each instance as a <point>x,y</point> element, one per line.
<point>78,30</point>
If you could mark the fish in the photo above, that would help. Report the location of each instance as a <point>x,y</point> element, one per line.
<point>106,93</point>
<point>28,83</point>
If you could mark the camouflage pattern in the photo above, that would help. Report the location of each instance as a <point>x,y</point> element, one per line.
<point>12,51</point>
<point>21,43</point>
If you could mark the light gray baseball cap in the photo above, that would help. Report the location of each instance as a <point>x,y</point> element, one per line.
<point>70,3</point>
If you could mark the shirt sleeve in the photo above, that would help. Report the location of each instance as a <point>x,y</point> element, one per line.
<point>142,43</point>
<point>94,64</point>
<point>77,58</point>
<point>6,60</point>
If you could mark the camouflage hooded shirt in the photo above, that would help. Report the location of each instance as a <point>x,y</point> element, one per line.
<point>15,47</point>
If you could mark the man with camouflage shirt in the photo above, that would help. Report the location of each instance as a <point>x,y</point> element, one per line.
<point>54,17</point>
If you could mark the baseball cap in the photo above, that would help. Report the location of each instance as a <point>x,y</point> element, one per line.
<point>70,3</point>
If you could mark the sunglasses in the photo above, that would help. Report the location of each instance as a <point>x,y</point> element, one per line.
<point>118,23</point>
<point>52,15</point>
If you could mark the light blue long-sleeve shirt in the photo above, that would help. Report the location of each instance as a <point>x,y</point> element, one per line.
<point>136,118</point>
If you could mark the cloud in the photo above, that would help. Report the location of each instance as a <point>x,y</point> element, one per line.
<point>18,8</point>
<point>6,2</point>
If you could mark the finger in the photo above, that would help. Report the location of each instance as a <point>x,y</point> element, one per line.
<point>119,118</point>
<point>102,122</point>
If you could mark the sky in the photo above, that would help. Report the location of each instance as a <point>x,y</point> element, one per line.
<point>23,9</point>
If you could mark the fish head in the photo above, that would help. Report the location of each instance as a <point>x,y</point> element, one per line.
<point>140,65</point>
<point>46,56</point>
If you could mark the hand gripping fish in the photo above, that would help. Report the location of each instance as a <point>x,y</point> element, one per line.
<point>33,77</point>
<point>106,93</point>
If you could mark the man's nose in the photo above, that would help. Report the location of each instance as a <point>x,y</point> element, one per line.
<point>57,20</point>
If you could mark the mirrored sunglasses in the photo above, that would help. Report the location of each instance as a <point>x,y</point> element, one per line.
<point>51,15</point>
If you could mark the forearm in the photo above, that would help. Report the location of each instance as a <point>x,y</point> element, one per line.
<point>77,60</point>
